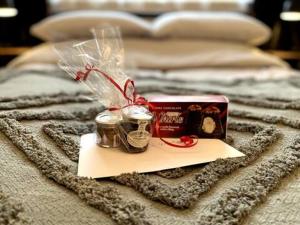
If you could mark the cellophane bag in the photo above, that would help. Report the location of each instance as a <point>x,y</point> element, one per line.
<point>99,64</point>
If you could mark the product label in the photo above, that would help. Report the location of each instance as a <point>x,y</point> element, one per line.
<point>139,138</point>
<point>171,117</point>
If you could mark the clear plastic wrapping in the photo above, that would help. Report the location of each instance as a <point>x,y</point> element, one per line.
<point>93,61</point>
<point>99,64</point>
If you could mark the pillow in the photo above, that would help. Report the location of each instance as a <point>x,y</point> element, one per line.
<point>77,24</point>
<point>233,27</point>
<point>170,54</point>
<point>40,54</point>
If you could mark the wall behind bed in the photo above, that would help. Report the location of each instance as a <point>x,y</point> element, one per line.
<point>14,31</point>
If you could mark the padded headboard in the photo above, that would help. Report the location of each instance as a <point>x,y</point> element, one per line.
<point>150,7</point>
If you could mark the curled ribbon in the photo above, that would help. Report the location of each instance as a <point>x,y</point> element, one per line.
<point>188,141</point>
<point>89,68</point>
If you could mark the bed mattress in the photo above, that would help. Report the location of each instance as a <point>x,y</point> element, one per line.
<point>43,113</point>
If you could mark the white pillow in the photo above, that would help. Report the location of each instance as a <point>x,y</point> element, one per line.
<point>211,25</point>
<point>77,24</point>
<point>170,54</point>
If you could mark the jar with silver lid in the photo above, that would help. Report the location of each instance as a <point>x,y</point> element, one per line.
<point>135,129</point>
<point>107,131</point>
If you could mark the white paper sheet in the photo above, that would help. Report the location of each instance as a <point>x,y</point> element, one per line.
<point>97,162</point>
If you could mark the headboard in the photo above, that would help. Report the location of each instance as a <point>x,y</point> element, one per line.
<point>150,7</point>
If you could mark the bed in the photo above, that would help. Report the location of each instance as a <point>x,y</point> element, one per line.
<point>44,112</point>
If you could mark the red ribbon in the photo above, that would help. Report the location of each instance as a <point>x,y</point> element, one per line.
<point>188,141</point>
<point>89,68</point>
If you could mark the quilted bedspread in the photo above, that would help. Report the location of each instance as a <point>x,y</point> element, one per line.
<point>43,114</point>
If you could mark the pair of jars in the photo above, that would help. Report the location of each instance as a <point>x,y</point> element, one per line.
<point>130,129</point>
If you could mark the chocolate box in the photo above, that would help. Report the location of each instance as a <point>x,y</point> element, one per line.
<point>203,116</point>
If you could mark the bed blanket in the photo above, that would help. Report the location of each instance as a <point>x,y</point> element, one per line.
<point>43,114</point>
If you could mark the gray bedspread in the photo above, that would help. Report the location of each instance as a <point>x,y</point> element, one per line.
<point>43,114</point>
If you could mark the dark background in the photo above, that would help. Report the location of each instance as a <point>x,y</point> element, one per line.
<point>15,30</point>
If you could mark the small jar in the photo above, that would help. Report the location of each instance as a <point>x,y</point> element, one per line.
<point>107,130</point>
<point>135,129</point>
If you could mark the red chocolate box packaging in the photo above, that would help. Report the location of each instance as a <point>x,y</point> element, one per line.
<point>203,116</point>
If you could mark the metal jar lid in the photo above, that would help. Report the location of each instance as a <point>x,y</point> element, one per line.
<point>137,113</point>
<point>107,120</point>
